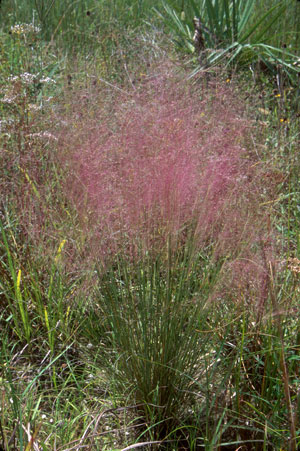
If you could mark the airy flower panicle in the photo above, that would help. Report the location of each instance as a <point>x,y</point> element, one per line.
<point>173,161</point>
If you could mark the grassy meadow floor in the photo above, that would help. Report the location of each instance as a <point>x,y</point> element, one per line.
<point>149,235</point>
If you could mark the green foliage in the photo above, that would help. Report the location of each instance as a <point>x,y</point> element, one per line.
<point>12,290</point>
<point>79,350</point>
<point>36,303</point>
<point>230,35</point>
<point>74,24</point>
<point>285,31</point>
<point>155,311</point>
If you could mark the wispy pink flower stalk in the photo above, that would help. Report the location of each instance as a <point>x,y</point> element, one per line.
<point>167,158</point>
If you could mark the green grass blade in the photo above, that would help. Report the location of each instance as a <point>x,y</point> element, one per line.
<point>254,27</point>
<point>247,9</point>
<point>227,18</point>
<point>196,10</point>
<point>212,18</point>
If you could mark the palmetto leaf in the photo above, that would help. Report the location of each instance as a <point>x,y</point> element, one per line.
<point>183,32</point>
<point>229,35</point>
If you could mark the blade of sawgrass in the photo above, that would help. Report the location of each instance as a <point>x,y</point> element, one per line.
<point>212,17</point>
<point>235,19</point>
<point>196,8</point>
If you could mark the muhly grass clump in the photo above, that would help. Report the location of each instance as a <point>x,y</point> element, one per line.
<point>160,187</point>
<point>170,197</point>
<point>168,159</point>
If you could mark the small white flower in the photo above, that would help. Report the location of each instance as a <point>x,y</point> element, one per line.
<point>34,107</point>
<point>42,135</point>
<point>27,78</point>
<point>8,99</point>
<point>47,80</point>
<point>44,416</point>
<point>24,28</point>
<point>13,78</point>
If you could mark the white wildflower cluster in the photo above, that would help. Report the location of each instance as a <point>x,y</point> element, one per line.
<point>46,135</point>
<point>294,265</point>
<point>5,123</point>
<point>32,107</point>
<point>10,99</point>
<point>47,80</point>
<point>13,78</point>
<point>24,28</point>
<point>27,79</point>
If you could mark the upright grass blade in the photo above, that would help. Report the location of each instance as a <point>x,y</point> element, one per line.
<point>226,19</point>
<point>184,32</point>
<point>154,310</point>
<point>13,293</point>
<point>245,14</point>
<point>257,38</point>
<point>213,19</point>
<point>18,397</point>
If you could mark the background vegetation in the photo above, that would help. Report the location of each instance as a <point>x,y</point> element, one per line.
<point>149,225</point>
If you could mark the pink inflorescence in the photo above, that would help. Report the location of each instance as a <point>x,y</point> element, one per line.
<point>167,158</point>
